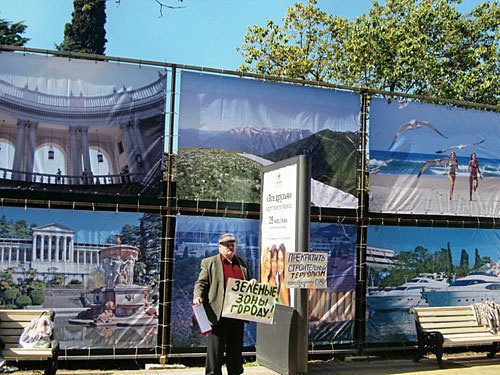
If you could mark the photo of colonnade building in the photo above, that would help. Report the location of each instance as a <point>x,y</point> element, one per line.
<point>51,251</point>
<point>103,138</point>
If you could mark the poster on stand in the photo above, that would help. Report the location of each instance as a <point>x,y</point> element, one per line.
<point>306,270</point>
<point>278,230</point>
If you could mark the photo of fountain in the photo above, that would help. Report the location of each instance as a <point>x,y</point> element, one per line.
<point>119,302</point>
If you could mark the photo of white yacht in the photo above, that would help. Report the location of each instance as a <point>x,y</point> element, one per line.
<point>474,288</point>
<point>407,295</point>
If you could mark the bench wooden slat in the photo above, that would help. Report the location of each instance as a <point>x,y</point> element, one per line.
<point>463,330</point>
<point>473,335</point>
<point>19,315</point>
<point>23,352</point>
<point>445,313</point>
<point>434,325</point>
<point>10,331</point>
<point>469,341</point>
<point>11,324</point>
<point>438,319</point>
<point>441,308</point>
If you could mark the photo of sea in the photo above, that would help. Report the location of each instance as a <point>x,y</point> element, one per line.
<point>403,163</point>
<point>420,158</point>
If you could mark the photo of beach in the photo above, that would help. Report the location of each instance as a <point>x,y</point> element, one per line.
<point>431,159</point>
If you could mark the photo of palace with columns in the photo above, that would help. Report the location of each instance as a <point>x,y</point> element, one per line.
<point>51,251</point>
<point>106,138</point>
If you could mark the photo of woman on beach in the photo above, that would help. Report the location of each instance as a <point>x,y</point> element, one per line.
<point>452,172</point>
<point>473,168</point>
<point>423,159</point>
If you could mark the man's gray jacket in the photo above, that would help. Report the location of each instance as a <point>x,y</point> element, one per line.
<point>210,284</point>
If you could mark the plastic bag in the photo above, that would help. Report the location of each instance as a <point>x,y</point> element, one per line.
<point>37,334</point>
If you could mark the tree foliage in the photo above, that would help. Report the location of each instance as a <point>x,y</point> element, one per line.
<point>86,32</point>
<point>14,229</point>
<point>423,47</point>
<point>408,264</point>
<point>11,33</point>
<point>147,238</point>
<point>23,300</point>
<point>463,268</point>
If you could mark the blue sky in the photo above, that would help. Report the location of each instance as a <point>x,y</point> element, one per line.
<point>224,103</point>
<point>407,238</point>
<point>204,33</point>
<point>90,226</point>
<point>458,125</point>
<point>57,76</point>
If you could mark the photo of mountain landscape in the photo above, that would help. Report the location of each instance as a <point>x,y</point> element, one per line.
<point>229,128</point>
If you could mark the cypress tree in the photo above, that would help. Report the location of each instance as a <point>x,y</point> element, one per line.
<point>11,33</point>
<point>86,31</point>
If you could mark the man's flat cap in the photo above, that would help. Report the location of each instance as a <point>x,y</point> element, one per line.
<point>227,237</point>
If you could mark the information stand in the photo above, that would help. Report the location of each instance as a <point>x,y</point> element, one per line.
<point>285,220</point>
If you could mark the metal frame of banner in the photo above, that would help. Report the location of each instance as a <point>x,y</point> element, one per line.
<point>168,206</point>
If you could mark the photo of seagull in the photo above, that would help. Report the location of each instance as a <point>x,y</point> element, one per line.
<point>403,104</point>
<point>432,162</point>
<point>460,147</point>
<point>412,125</point>
<point>383,164</point>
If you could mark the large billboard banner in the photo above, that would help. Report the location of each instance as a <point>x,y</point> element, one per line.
<point>230,127</point>
<point>197,238</point>
<point>77,126</point>
<point>331,309</point>
<point>426,267</point>
<point>97,271</point>
<point>432,159</point>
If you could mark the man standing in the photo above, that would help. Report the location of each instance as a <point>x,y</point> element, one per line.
<point>227,333</point>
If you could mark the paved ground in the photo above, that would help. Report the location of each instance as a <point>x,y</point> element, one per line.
<point>454,366</point>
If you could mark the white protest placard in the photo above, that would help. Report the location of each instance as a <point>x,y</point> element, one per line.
<point>246,302</point>
<point>306,270</point>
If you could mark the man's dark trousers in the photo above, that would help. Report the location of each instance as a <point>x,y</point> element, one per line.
<point>227,335</point>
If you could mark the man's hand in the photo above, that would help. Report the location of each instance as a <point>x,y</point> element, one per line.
<point>252,282</point>
<point>197,301</point>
